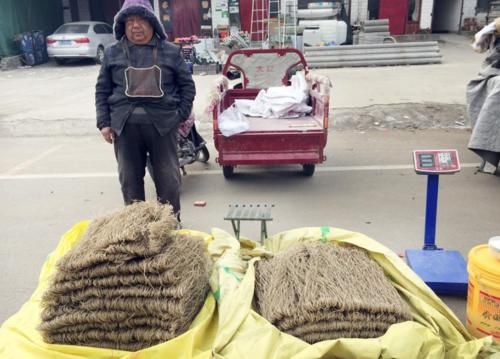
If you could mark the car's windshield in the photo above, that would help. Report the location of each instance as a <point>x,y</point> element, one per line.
<point>73,29</point>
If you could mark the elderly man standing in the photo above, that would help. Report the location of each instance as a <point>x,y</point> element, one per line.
<point>143,91</point>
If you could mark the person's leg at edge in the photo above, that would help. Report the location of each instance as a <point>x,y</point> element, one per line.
<point>490,161</point>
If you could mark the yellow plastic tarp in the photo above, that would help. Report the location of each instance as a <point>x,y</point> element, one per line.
<point>19,338</point>
<point>236,331</point>
<point>435,332</point>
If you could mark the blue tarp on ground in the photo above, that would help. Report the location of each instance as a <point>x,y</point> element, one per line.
<point>18,16</point>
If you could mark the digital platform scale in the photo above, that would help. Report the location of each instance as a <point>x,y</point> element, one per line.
<point>429,162</point>
<point>445,271</point>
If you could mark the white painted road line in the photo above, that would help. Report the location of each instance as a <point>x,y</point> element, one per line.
<point>379,168</point>
<point>28,163</point>
<point>213,172</point>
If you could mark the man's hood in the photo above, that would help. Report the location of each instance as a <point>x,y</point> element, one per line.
<point>140,8</point>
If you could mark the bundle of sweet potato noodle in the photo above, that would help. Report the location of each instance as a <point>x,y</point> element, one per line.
<point>317,291</point>
<point>130,283</point>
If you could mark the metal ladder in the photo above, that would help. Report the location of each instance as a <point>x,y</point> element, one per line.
<point>259,23</point>
<point>275,13</point>
<point>289,22</point>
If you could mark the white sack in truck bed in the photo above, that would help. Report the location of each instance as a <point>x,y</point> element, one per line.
<point>279,102</point>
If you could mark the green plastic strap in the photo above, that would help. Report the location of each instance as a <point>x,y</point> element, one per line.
<point>325,231</point>
<point>217,294</point>
<point>228,271</point>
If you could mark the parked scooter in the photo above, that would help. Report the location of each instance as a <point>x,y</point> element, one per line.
<point>191,147</point>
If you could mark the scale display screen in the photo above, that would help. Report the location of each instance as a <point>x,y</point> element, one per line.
<point>436,161</point>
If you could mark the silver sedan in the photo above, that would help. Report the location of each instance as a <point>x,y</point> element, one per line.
<point>85,39</point>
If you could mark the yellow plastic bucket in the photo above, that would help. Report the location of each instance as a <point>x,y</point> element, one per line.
<point>483,298</point>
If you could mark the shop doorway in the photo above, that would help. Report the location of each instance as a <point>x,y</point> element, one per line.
<point>446,16</point>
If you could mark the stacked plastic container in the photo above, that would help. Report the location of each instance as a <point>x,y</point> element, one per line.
<point>320,26</point>
<point>332,31</point>
<point>33,47</point>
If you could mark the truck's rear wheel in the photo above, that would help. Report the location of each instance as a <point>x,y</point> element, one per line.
<point>228,171</point>
<point>308,169</point>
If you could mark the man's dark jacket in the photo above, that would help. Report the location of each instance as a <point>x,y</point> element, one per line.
<point>114,107</point>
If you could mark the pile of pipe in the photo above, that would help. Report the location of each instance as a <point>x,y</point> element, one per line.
<point>374,32</point>
<point>383,54</point>
<point>317,291</point>
<point>130,283</point>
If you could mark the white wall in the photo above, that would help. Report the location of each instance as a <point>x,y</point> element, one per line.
<point>469,9</point>
<point>426,14</point>
<point>359,11</point>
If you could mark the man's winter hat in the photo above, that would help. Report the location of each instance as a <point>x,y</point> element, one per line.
<point>140,8</point>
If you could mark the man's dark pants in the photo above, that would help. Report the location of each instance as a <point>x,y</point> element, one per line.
<point>131,149</point>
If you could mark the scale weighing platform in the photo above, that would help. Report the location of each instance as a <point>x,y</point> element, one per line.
<point>444,271</point>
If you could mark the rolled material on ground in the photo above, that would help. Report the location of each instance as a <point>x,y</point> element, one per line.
<point>376,29</point>
<point>376,56</point>
<point>376,22</point>
<point>399,45</point>
<point>374,38</point>
<point>318,291</point>
<point>340,52</point>
<point>373,55</point>
<point>368,63</point>
<point>132,282</point>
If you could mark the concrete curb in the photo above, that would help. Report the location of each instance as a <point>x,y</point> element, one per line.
<point>42,128</point>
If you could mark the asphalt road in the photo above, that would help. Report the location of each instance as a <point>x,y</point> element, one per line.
<point>367,184</point>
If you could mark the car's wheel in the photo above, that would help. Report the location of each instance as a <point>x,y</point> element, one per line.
<point>308,169</point>
<point>228,171</point>
<point>99,58</point>
<point>60,61</point>
<point>203,155</point>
